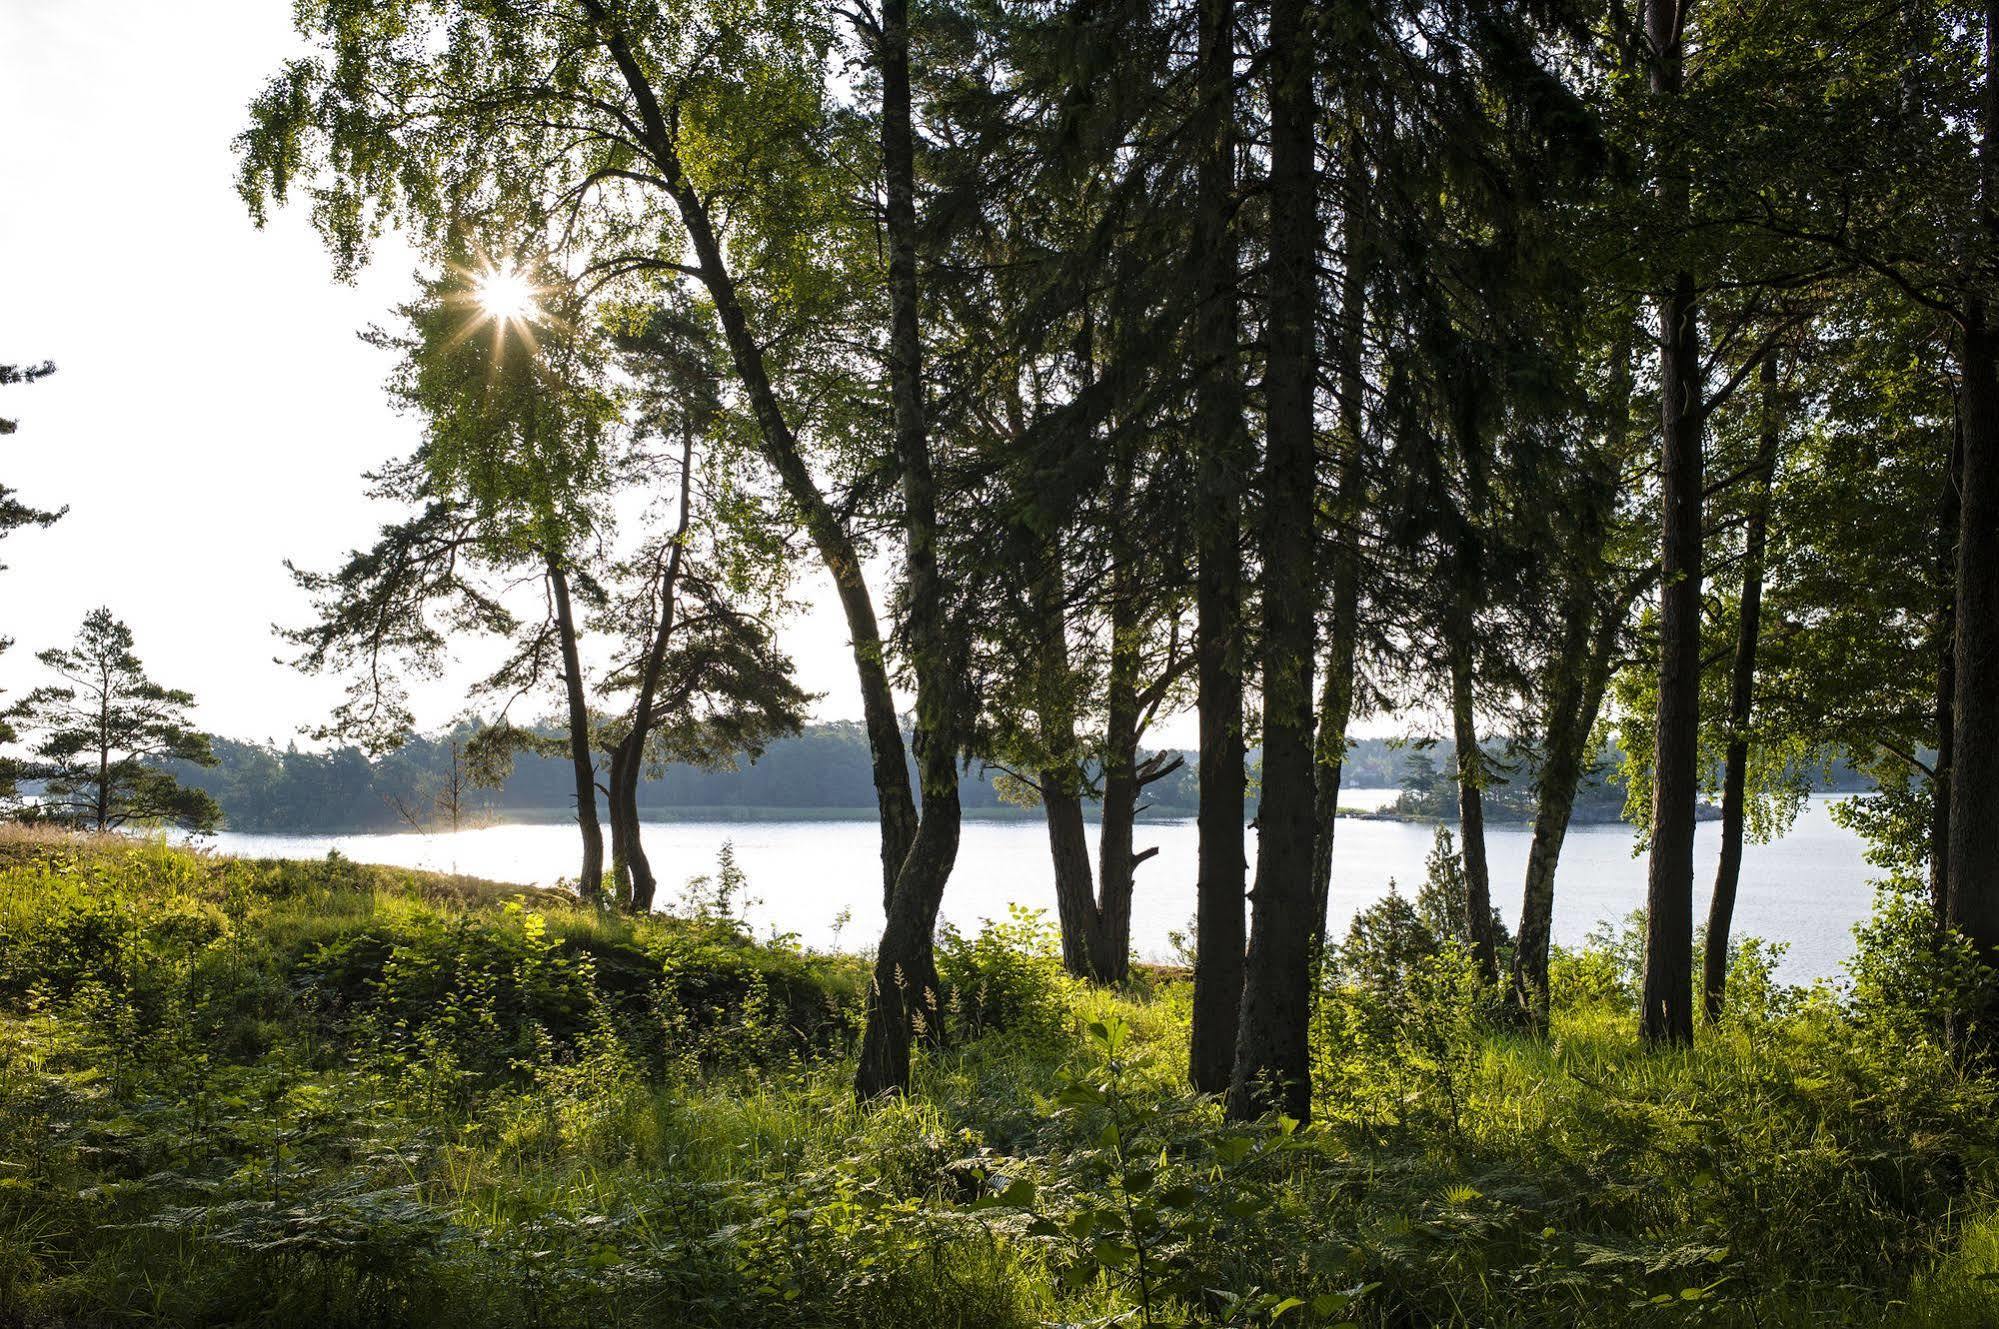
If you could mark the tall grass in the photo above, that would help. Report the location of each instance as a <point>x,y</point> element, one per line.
<point>240,1092</point>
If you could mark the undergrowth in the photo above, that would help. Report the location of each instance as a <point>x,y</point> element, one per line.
<point>245,1093</point>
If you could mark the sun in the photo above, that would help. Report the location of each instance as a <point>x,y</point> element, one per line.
<point>505,294</point>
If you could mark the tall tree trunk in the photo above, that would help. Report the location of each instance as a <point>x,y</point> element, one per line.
<point>1946,658</point>
<point>629,761</point>
<point>1741,699</point>
<point>1124,720</point>
<point>1218,910</point>
<point>895,799</point>
<point>936,647</point>
<point>1272,1067</point>
<point>1582,677</point>
<point>590,880</point>
<point>1117,863</point>
<point>1075,896</point>
<point>1471,803</point>
<point>1061,777</point>
<point>1336,698</point>
<point>1972,902</point>
<point>1575,697</point>
<point>1666,1012</point>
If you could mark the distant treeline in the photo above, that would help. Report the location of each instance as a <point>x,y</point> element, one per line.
<point>820,772</point>
<point>823,770</point>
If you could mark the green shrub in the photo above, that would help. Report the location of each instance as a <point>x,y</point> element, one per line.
<point>1006,979</point>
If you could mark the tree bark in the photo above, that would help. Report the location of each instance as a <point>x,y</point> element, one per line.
<point>895,799</point>
<point>1946,657</point>
<point>1336,698</point>
<point>1272,1066</point>
<point>1061,778</point>
<point>936,646</point>
<point>1471,805</point>
<point>1741,700</point>
<point>1075,897</point>
<point>1582,677</point>
<point>1666,1012</point>
<point>1218,968</point>
<point>1117,864</point>
<point>900,1002</point>
<point>644,886</point>
<point>1972,902</point>
<point>621,837</point>
<point>590,879</point>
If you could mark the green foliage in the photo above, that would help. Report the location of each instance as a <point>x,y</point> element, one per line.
<point>267,1092</point>
<point>14,514</point>
<point>1400,1020</point>
<point>1006,979</point>
<point>1142,1211</point>
<point>1915,984</point>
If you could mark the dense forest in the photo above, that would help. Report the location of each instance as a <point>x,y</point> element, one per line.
<point>1609,388</point>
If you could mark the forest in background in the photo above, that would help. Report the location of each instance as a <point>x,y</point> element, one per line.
<point>825,768</point>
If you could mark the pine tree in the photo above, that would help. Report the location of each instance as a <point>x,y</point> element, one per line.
<point>14,514</point>
<point>100,737</point>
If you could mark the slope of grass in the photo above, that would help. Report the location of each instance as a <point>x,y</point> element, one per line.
<point>238,1092</point>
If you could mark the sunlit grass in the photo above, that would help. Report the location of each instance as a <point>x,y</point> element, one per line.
<point>527,1131</point>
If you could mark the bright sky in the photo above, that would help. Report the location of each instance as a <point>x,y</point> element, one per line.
<point>213,409</point>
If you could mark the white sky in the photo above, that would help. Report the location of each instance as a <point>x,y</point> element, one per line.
<point>213,409</point>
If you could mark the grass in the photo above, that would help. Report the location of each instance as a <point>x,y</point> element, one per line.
<point>257,1092</point>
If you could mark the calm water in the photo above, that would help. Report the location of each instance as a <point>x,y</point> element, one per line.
<point>1807,889</point>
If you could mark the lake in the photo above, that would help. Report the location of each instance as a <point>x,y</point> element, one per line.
<point>1807,890</point>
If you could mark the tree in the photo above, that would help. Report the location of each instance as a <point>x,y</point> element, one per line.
<point>711,689</point>
<point>14,514</point>
<point>1460,360</point>
<point>697,664</point>
<point>1903,183</point>
<point>1742,690</point>
<point>1595,589</point>
<point>938,648</point>
<point>583,110</point>
<point>1218,631</point>
<point>1710,284</point>
<point>506,483</point>
<point>98,737</point>
<point>1271,1071</point>
<point>1058,310</point>
<point>1345,516</point>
